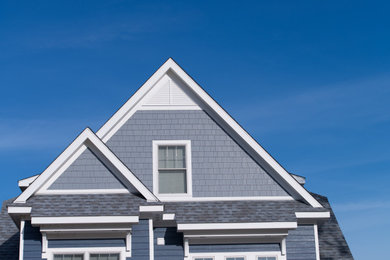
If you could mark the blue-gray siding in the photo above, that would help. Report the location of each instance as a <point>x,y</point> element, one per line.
<point>220,167</point>
<point>87,172</point>
<point>234,248</point>
<point>140,240</point>
<point>64,243</point>
<point>300,243</point>
<point>32,242</point>
<point>173,248</point>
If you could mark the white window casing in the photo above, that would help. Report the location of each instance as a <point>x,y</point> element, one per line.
<point>187,169</point>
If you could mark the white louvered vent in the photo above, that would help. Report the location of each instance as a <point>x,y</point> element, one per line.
<point>169,92</point>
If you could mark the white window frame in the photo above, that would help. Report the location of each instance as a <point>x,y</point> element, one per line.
<point>268,255</point>
<point>202,257</point>
<point>235,256</point>
<point>86,252</point>
<point>246,255</point>
<point>187,145</point>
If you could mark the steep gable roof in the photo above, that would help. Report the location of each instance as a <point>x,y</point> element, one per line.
<point>199,97</point>
<point>86,139</point>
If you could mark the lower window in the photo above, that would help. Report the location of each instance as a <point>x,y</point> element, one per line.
<point>89,257</point>
<point>266,258</point>
<point>235,258</point>
<point>68,257</point>
<point>104,257</point>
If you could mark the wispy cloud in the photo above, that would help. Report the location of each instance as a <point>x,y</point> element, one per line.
<point>362,206</point>
<point>345,104</point>
<point>26,134</point>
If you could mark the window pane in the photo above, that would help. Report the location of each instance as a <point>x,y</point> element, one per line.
<point>271,258</point>
<point>57,257</point>
<point>161,157</point>
<point>68,257</point>
<point>113,257</point>
<point>104,257</point>
<point>172,181</point>
<point>171,157</point>
<point>180,157</point>
<point>262,258</point>
<point>239,258</point>
<point>77,257</point>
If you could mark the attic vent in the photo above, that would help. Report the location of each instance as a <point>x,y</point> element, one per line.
<point>169,92</point>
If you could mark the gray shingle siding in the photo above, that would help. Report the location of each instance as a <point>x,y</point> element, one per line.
<point>173,248</point>
<point>220,167</point>
<point>87,172</point>
<point>234,248</point>
<point>64,243</point>
<point>140,240</point>
<point>300,244</point>
<point>32,242</point>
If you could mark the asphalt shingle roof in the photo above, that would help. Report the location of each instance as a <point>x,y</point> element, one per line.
<point>236,211</point>
<point>85,205</point>
<point>331,239</point>
<point>9,235</point>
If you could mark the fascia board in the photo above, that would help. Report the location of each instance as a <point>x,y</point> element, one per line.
<point>83,220</point>
<point>232,226</point>
<point>312,215</point>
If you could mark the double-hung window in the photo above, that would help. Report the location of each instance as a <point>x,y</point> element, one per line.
<point>88,256</point>
<point>172,168</point>
<point>68,257</point>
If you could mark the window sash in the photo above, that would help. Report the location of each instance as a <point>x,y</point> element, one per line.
<point>171,157</point>
<point>172,172</point>
<point>68,257</point>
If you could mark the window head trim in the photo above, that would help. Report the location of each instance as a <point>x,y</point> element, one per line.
<point>188,162</point>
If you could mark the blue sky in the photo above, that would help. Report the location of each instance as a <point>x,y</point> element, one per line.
<point>308,79</point>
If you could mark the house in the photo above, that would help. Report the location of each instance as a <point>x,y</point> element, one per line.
<point>170,176</point>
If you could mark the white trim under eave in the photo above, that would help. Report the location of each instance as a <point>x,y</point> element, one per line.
<point>312,215</point>
<point>133,104</point>
<point>19,210</point>
<point>231,226</point>
<point>85,191</point>
<point>152,208</point>
<point>84,220</point>
<point>270,198</point>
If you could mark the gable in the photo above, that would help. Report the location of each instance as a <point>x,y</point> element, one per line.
<point>216,112</point>
<point>220,167</point>
<point>87,172</point>
<point>94,155</point>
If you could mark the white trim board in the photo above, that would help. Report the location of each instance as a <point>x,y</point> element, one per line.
<point>19,210</point>
<point>24,183</point>
<point>269,198</point>
<point>83,220</point>
<point>87,137</point>
<point>312,215</point>
<point>219,114</point>
<point>231,226</point>
<point>86,251</point>
<point>246,255</point>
